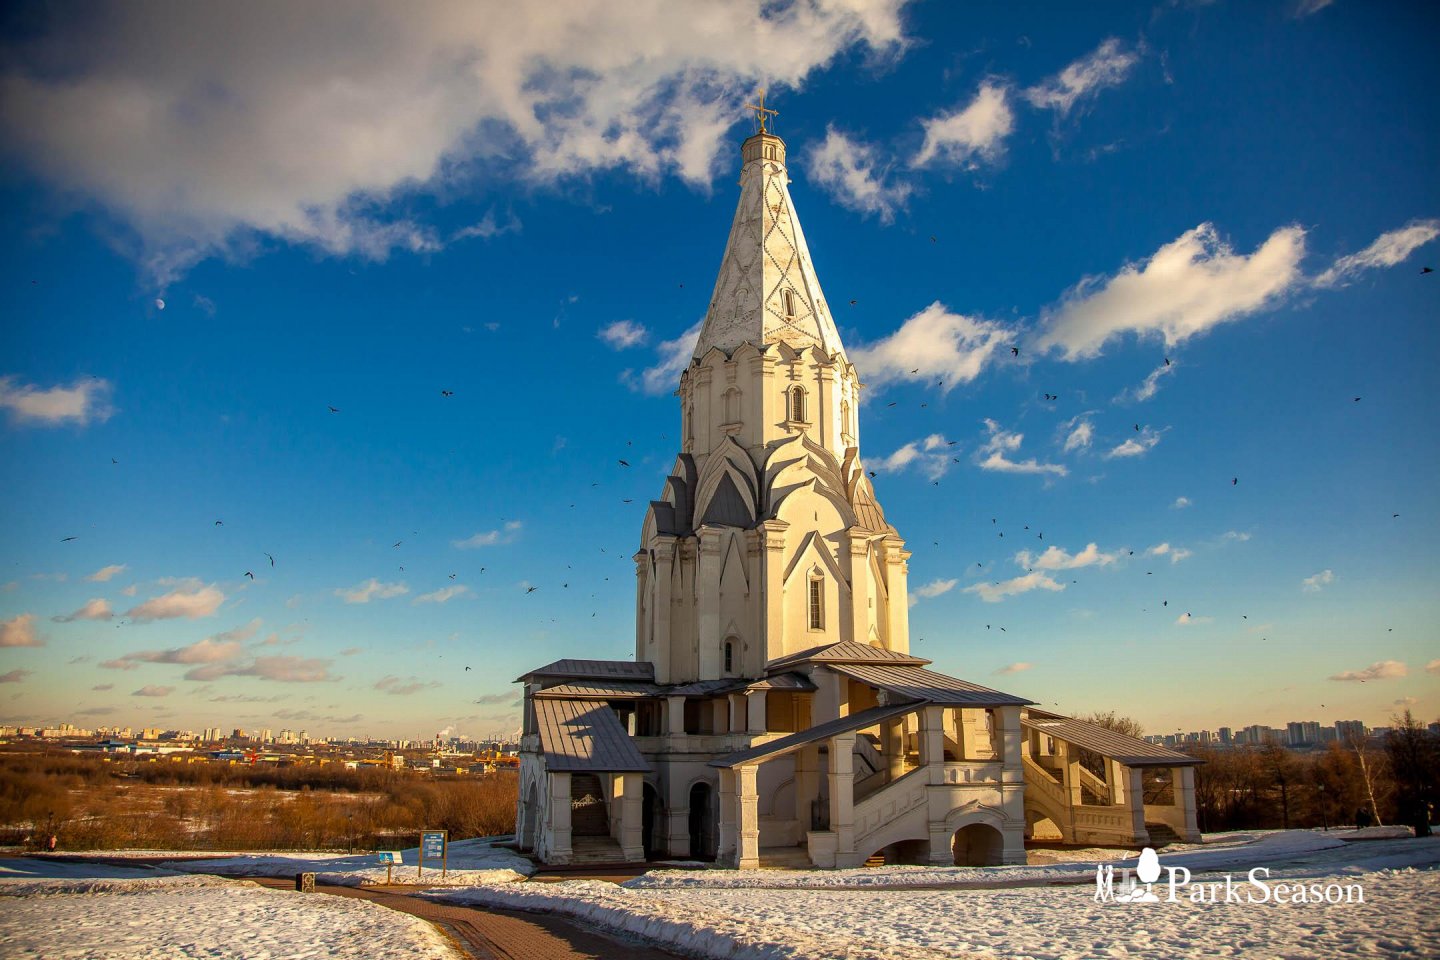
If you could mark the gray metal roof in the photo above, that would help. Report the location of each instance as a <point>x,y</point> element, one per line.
<point>706,688</point>
<point>846,651</point>
<point>783,681</point>
<point>600,690</point>
<point>1118,746</point>
<point>921,684</point>
<point>856,721</point>
<point>594,669</point>
<point>584,735</point>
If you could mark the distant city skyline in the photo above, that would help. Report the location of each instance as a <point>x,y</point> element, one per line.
<point>340,346</point>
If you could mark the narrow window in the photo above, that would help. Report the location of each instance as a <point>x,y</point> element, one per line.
<point>797,405</point>
<point>787,297</point>
<point>729,657</point>
<point>817,604</point>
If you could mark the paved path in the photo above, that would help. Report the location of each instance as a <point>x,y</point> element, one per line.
<point>487,934</point>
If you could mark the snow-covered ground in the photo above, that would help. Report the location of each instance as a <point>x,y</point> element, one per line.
<point>883,914</point>
<point>74,911</point>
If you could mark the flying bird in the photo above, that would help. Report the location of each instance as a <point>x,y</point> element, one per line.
<point>853,302</point>
<point>1234,481</point>
<point>113,460</point>
<point>624,464</point>
<point>333,409</point>
<point>932,239</point>
<point>447,393</point>
<point>396,543</point>
<point>68,539</point>
<point>1167,361</point>
<point>272,559</point>
<point>219,523</point>
<point>891,403</point>
<point>467,668</point>
<point>531,589</point>
<point>1425,270</point>
<point>1014,351</point>
<point>249,574</point>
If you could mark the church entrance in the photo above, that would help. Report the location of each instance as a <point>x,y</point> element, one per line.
<point>702,822</point>
<point>978,845</point>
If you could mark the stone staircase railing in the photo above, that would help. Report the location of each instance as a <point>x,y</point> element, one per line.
<point>893,800</point>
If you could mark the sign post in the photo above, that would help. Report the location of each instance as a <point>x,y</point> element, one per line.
<point>390,858</point>
<point>435,845</point>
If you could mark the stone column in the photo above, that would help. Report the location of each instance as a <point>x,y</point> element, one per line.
<point>932,742</point>
<point>897,607</point>
<point>892,745</point>
<point>727,846</point>
<point>675,718</point>
<point>629,797</point>
<point>842,791</point>
<point>661,612</point>
<point>772,539</point>
<point>707,587</point>
<point>1009,735</point>
<point>755,711</point>
<point>807,762</point>
<point>1115,777</point>
<point>677,812</point>
<point>643,626</point>
<point>748,856</point>
<point>941,853</point>
<point>1135,790</point>
<point>1013,849</point>
<point>560,849</point>
<point>827,414</point>
<point>1183,779</point>
<point>705,432</point>
<point>858,570</point>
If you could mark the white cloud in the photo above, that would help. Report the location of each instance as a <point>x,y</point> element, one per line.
<point>1181,503</point>
<point>15,676</point>
<point>1387,250</point>
<point>1013,668</point>
<point>853,173</point>
<point>217,649</point>
<point>443,594</point>
<point>1186,287</point>
<point>932,456</point>
<point>1176,554</point>
<point>1319,580</point>
<point>105,573</point>
<point>371,589</point>
<point>1106,66</point>
<point>1150,386</point>
<point>674,355</point>
<point>930,345</point>
<point>1379,670</point>
<point>1234,536</point>
<point>82,402</point>
<point>280,669</point>
<point>623,334</point>
<point>934,588</point>
<point>490,538</point>
<point>1304,8</point>
<point>1138,445</point>
<point>972,136</point>
<point>1082,433</point>
<point>992,454</point>
<point>188,600</point>
<point>303,122</point>
<point>1185,620</point>
<point>98,609</point>
<point>1433,666</point>
<point>397,687</point>
<point>1056,558</point>
<point>19,631</point>
<point>995,592</point>
<point>130,591</point>
<point>487,227</point>
<point>153,691</point>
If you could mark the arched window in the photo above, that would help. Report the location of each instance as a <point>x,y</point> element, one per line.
<point>732,405</point>
<point>817,603</point>
<point>845,429</point>
<point>797,405</point>
<point>787,298</point>
<point>729,656</point>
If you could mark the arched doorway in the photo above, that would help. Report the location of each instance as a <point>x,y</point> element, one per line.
<point>978,845</point>
<point>652,820</point>
<point>702,822</point>
<point>531,815</point>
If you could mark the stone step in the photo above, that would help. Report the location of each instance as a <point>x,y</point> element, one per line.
<point>595,850</point>
<point>1162,834</point>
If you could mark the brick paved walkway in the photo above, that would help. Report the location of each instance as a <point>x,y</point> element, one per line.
<point>498,935</point>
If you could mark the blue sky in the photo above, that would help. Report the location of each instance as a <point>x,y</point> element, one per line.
<point>362,208</point>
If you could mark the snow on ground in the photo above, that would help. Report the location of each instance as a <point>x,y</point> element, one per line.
<point>1240,854</point>
<point>105,918</point>
<point>30,868</point>
<point>471,863</point>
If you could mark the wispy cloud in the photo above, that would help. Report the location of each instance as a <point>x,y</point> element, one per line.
<point>931,590</point>
<point>1433,666</point>
<point>1013,668</point>
<point>85,401</point>
<point>993,454</point>
<point>19,631</point>
<point>188,601</point>
<point>490,538</point>
<point>371,589</point>
<point>1081,433</point>
<point>1106,66</point>
<point>1056,558</point>
<point>1379,670</point>
<point>1314,584</point>
<point>1180,503</point>
<point>106,573</point>
<point>1150,385</point>
<point>1176,554</point>
<point>932,456</point>
<point>280,669</point>
<point>970,136</point>
<point>15,676</point>
<point>151,690</point>
<point>1137,445</point>
<point>857,177</point>
<point>444,594</point>
<point>995,592</point>
<point>674,356</point>
<point>98,609</point>
<point>1185,620</point>
<point>400,688</point>
<point>1389,249</point>
<point>216,649</point>
<point>933,346</point>
<point>623,334</point>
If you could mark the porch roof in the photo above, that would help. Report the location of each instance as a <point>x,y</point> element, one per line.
<point>794,741</point>
<point>846,651</point>
<point>584,735</point>
<point>595,669</point>
<point>1130,751</point>
<point>920,684</point>
<point>583,689</point>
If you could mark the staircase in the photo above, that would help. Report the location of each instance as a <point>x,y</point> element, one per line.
<point>591,850</point>
<point>1161,834</point>
<point>587,808</point>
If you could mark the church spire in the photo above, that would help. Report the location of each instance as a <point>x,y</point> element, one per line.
<point>767,290</point>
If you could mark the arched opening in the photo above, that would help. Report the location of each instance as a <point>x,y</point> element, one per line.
<point>978,845</point>
<point>652,819</point>
<point>732,405</point>
<point>1041,828</point>
<point>532,815</point>
<point>913,853</point>
<point>787,299</point>
<point>702,822</point>
<point>816,604</point>
<point>729,657</point>
<point>797,405</point>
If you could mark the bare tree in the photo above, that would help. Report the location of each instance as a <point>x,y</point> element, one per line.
<point>1414,755</point>
<point>1369,773</point>
<point>1111,720</point>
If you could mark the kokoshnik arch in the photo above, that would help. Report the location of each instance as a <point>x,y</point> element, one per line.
<point>773,713</point>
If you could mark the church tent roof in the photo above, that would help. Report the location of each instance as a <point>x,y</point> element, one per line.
<point>596,669</point>
<point>846,651</point>
<point>582,735</point>
<point>1131,751</point>
<point>920,684</point>
<point>823,731</point>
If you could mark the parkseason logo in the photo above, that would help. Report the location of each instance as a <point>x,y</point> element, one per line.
<point>1254,888</point>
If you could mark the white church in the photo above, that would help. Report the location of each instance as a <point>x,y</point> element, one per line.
<point>774,714</point>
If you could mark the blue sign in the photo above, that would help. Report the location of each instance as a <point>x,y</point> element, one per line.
<point>432,844</point>
<point>389,857</point>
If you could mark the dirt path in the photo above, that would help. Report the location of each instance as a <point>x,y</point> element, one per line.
<point>497,935</point>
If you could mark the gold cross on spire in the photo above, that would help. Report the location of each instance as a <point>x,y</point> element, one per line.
<point>761,110</point>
